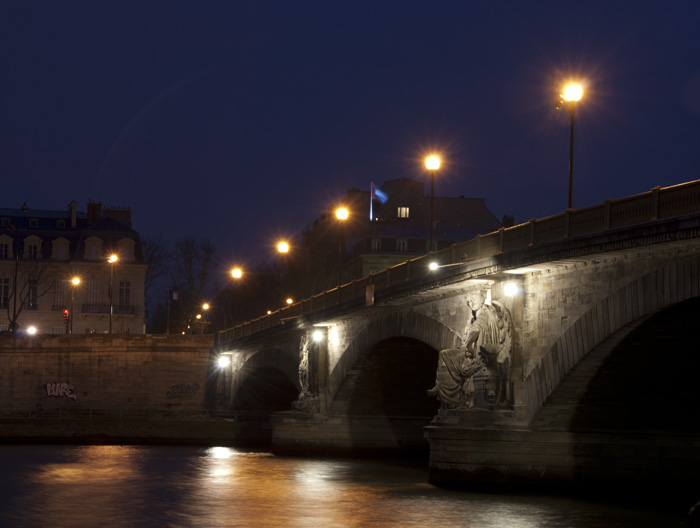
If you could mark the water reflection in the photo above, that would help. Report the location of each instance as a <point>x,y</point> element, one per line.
<point>179,486</point>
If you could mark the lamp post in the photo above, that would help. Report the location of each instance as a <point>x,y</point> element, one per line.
<point>112,260</point>
<point>236,273</point>
<point>342,215</point>
<point>75,281</point>
<point>282,249</point>
<point>572,93</point>
<point>432,163</point>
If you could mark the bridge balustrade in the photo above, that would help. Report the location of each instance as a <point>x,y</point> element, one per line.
<point>659,203</point>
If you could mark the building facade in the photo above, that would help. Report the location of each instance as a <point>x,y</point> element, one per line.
<point>55,274</point>
<point>393,224</point>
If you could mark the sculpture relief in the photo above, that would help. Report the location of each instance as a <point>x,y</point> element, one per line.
<point>308,397</point>
<point>478,373</point>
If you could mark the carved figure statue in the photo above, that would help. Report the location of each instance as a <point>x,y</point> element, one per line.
<point>478,373</point>
<point>308,397</point>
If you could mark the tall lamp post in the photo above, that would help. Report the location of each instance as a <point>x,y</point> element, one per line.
<point>236,273</point>
<point>75,281</point>
<point>572,94</point>
<point>342,215</point>
<point>282,249</point>
<point>112,260</point>
<point>432,163</point>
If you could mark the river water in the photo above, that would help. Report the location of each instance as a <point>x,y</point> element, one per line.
<point>118,486</point>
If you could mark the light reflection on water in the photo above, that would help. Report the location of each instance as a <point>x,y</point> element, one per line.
<point>118,486</point>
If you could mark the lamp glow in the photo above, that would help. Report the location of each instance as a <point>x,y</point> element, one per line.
<point>112,258</point>
<point>433,266</point>
<point>283,247</point>
<point>573,92</point>
<point>342,213</point>
<point>31,330</point>
<point>224,362</point>
<point>511,289</point>
<point>432,162</point>
<point>236,273</point>
<point>318,336</point>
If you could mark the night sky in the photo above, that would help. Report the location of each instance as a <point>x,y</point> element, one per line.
<point>243,121</point>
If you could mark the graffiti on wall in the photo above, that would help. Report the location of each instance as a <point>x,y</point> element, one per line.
<point>183,390</point>
<point>60,390</point>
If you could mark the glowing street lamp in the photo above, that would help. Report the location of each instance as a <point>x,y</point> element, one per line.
<point>342,214</point>
<point>282,249</point>
<point>237,274</point>
<point>572,94</point>
<point>112,260</point>
<point>432,163</point>
<point>75,281</point>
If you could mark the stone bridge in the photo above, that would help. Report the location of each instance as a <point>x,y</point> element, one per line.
<point>348,370</point>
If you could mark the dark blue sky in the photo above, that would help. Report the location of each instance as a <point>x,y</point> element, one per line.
<point>242,121</point>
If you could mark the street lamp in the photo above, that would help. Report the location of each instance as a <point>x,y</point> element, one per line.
<point>572,93</point>
<point>237,274</point>
<point>342,215</point>
<point>432,163</point>
<point>112,260</point>
<point>75,281</point>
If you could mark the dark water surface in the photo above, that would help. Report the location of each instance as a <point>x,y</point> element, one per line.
<point>118,486</point>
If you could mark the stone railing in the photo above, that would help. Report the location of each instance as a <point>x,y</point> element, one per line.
<point>658,204</point>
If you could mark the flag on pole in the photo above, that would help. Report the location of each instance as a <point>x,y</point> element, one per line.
<point>174,296</point>
<point>375,194</point>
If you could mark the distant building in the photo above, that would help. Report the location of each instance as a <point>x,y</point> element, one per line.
<point>42,251</point>
<point>399,225</point>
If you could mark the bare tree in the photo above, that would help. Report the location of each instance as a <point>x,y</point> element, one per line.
<point>32,279</point>
<point>192,263</point>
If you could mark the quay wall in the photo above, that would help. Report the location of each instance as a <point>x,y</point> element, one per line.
<point>107,372</point>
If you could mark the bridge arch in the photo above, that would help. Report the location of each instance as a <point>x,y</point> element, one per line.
<point>398,324</point>
<point>661,288</point>
<point>268,380</point>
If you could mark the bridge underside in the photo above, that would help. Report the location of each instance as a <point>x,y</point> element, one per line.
<point>380,408</point>
<point>627,412</point>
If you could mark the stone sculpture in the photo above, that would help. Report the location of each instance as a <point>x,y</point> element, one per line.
<point>478,373</point>
<point>308,397</point>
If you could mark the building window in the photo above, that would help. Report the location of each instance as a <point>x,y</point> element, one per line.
<point>33,223</point>
<point>60,224</point>
<point>124,295</point>
<point>4,328</point>
<point>4,292</point>
<point>91,297</point>
<point>4,251</point>
<point>59,295</point>
<point>401,244</point>
<point>33,252</point>
<point>5,222</point>
<point>58,330</point>
<point>403,212</point>
<point>376,244</point>
<point>32,296</point>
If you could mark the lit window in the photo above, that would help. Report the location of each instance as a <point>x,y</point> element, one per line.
<point>401,244</point>
<point>4,251</point>
<point>403,212</point>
